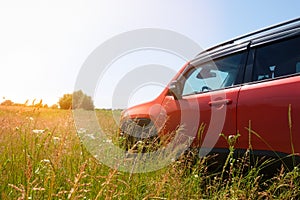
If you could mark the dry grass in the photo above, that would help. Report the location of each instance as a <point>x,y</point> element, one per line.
<point>51,163</point>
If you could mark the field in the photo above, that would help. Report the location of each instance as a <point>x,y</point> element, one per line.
<point>41,157</point>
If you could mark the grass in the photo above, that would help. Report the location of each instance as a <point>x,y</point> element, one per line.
<point>52,164</point>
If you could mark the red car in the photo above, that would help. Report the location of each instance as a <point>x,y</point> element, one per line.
<point>248,86</point>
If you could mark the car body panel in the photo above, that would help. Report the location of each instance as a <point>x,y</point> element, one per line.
<point>265,106</point>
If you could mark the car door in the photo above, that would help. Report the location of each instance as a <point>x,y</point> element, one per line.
<point>208,99</point>
<point>268,110</point>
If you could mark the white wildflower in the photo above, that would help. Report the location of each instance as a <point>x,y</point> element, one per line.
<point>90,136</point>
<point>38,131</point>
<point>81,130</point>
<point>30,118</point>
<point>56,139</point>
<point>45,161</point>
<point>108,141</point>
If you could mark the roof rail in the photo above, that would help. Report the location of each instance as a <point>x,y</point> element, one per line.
<point>231,41</point>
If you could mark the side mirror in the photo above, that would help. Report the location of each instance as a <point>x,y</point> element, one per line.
<point>206,73</point>
<point>175,89</point>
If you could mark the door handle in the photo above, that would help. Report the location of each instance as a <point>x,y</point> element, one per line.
<point>220,102</point>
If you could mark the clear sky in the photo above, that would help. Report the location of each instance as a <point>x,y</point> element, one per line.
<point>43,44</point>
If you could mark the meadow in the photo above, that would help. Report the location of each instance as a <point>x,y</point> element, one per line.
<point>41,157</point>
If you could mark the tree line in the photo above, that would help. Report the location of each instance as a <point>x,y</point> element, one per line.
<point>75,100</point>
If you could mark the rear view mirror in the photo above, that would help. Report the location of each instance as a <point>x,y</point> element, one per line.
<point>206,73</point>
<point>175,89</point>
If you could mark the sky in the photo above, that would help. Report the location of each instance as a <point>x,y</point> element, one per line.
<point>43,44</point>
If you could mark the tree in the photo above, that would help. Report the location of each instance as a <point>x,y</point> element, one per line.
<point>7,103</point>
<point>65,102</point>
<point>81,100</point>
<point>54,106</point>
<point>76,100</point>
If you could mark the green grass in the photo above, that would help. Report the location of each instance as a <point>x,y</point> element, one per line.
<point>54,165</point>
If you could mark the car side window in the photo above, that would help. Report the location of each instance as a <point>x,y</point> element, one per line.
<point>277,60</point>
<point>213,75</point>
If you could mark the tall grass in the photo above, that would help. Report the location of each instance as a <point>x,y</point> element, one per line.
<point>41,157</point>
